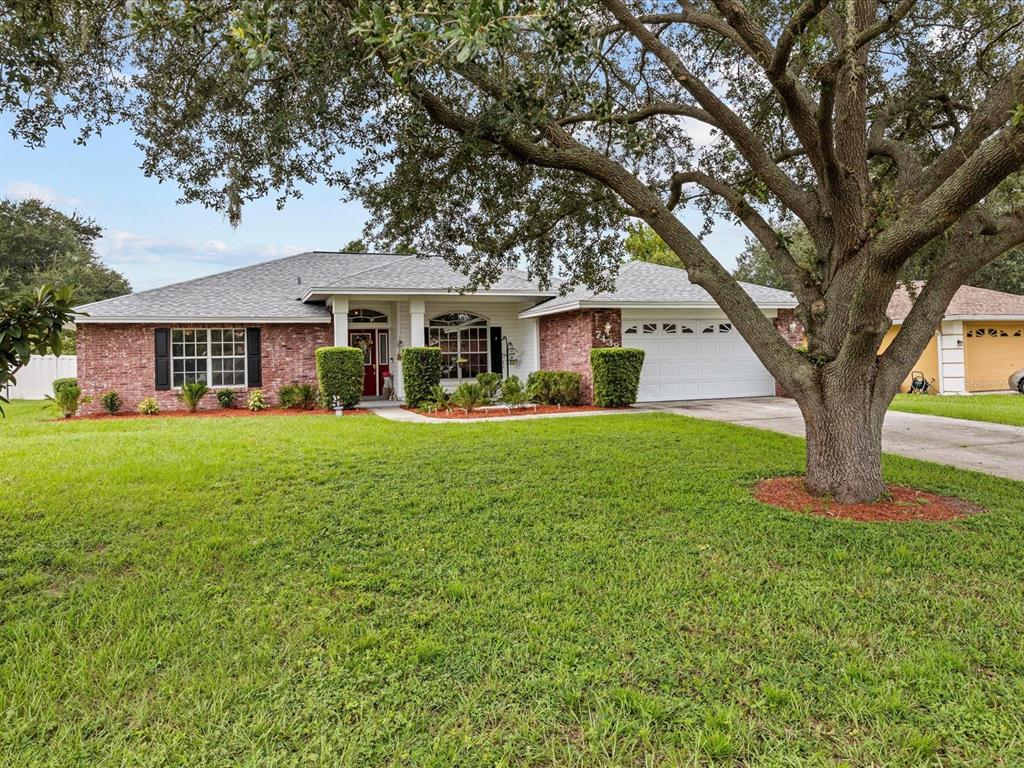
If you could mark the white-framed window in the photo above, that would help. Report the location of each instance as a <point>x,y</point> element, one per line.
<point>215,356</point>
<point>464,342</point>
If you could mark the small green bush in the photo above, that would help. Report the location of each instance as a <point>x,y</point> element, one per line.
<point>288,396</point>
<point>339,372</point>
<point>65,383</point>
<point>554,387</point>
<point>308,396</point>
<point>439,400</point>
<point>513,393</point>
<point>490,383</point>
<point>67,396</point>
<point>616,375</point>
<point>421,372</point>
<point>469,396</point>
<point>149,406</point>
<point>257,402</point>
<point>111,401</point>
<point>227,398</point>
<point>191,393</point>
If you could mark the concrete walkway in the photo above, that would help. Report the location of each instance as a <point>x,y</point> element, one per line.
<point>997,449</point>
<point>401,414</point>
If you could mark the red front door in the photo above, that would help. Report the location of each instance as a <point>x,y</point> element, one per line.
<point>376,357</point>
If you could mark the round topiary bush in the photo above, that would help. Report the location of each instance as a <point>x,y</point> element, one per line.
<point>339,373</point>
<point>616,375</point>
<point>421,372</point>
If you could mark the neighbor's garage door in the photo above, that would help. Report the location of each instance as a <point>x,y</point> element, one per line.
<point>695,359</point>
<point>992,351</point>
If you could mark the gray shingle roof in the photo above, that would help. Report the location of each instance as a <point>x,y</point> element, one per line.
<point>274,290</point>
<point>640,283</point>
<point>414,273</point>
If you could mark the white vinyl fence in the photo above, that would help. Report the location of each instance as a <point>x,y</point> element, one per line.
<point>35,380</point>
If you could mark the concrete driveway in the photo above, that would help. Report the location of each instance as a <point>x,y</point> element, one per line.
<point>996,449</point>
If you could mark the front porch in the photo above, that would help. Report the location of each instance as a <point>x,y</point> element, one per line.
<point>475,333</point>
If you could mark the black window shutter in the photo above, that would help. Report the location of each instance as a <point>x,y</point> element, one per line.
<point>253,358</point>
<point>496,350</point>
<point>162,357</point>
<point>426,336</point>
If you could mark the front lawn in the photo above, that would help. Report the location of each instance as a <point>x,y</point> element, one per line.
<point>599,591</point>
<point>1000,409</point>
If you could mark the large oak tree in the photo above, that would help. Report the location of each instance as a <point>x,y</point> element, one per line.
<point>494,131</point>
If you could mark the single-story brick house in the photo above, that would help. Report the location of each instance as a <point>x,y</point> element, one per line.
<point>258,327</point>
<point>979,343</point>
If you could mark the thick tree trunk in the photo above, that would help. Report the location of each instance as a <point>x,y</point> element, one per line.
<point>844,441</point>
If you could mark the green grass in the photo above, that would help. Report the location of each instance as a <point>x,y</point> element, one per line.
<point>295,591</point>
<point>999,409</point>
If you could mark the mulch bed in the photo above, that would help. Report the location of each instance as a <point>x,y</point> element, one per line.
<point>491,413</point>
<point>229,412</point>
<point>903,505</point>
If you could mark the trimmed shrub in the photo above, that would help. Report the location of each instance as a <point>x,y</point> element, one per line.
<point>616,375</point>
<point>554,387</point>
<point>339,372</point>
<point>421,372</point>
<point>191,393</point>
<point>468,396</point>
<point>111,401</point>
<point>149,406</point>
<point>65,383</point>
<point>257,402</point>
<point>490,383</point>
<point>226,398</point>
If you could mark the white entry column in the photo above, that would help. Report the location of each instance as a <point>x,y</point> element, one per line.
<point>417,316</point>
<point>340,305</point>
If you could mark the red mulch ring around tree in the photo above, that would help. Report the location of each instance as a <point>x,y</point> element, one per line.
<point>222,412</point>
<point>491,413</point>
<point>903,505</point>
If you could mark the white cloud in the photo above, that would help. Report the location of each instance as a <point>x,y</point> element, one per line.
<point>150,261</point>
<point>700,133</point>
<point>28,190</point>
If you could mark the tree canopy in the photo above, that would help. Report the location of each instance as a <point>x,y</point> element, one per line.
<point>39,245</point>
<point>643,244</point>
<point>494,132</point>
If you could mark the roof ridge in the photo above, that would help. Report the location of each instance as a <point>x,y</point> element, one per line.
<point>405,257</point>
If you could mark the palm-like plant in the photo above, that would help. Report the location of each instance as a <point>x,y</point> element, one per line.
<point>439,400</point>
<point>469,396</point>
<point>192,392</point>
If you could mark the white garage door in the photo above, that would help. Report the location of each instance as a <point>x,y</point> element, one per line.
<point>695,359</point>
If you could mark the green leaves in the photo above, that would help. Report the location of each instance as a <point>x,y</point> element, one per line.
<point>30,324</point>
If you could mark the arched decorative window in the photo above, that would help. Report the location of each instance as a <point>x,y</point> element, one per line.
<point>463,340</point>
<point>363,316</point>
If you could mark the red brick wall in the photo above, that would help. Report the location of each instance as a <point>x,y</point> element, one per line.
<point>795,337</point>
<point>566,340</point>
<point>121,357</point>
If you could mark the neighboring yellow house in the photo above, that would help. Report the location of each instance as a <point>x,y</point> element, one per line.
<point>978,345</point>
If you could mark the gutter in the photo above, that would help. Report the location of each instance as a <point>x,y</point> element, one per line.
<point>193,320</point>
<point>541,309</point>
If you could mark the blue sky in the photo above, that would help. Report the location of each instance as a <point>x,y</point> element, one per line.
<point>154,240</point>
